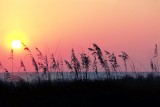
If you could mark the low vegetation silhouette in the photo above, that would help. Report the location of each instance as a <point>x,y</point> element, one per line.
<point>92,80</point>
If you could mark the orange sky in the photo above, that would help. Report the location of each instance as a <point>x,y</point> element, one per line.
<point>129,25</point>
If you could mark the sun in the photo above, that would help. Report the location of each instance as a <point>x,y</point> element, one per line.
<point>14,40</point>
<point>16,44</point>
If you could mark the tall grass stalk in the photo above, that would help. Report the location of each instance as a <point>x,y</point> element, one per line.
<point>155,57</point>
<point>11,57</point>
<point>53,65</point>
<point>85,63</point>
<point>24,69</point>
<point>43,64</point>
<point>94,64</point>
<point>102,60</point>
<point>69,66</point>
<point>114,64</point>
<point>7,75</point>
<point>75,64</point>
<point>124,57</point>
<point>60,69</point>
<point>33,61</point>
<point>96,50</point>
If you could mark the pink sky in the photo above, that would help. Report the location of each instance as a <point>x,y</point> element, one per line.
<point>129,25</point>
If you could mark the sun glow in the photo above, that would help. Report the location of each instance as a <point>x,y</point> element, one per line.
<point>15,39</point>
<point>16,44</point>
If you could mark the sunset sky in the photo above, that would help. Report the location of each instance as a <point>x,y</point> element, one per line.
<point>129,25</point>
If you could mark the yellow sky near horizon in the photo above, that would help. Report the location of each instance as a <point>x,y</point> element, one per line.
<point>131,25</point>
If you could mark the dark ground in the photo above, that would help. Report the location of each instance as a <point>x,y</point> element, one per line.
<point>125,92</point>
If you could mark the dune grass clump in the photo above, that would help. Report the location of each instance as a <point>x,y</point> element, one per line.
<point>104,64</point>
